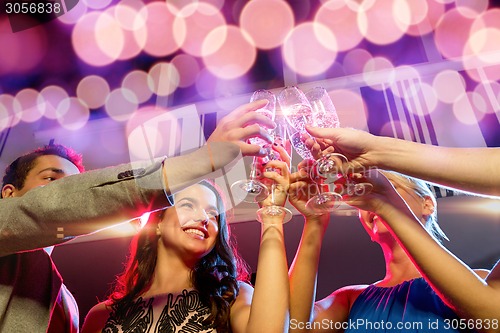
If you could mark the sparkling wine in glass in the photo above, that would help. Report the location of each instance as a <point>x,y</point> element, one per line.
<point>298,112</point>
<point>280,138</point>
<point>252,189</point>
<point>325,116</point>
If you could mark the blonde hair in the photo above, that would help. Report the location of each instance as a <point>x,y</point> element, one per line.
<point>420,188</point>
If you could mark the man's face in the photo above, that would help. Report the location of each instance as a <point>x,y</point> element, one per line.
<point>47,169</point>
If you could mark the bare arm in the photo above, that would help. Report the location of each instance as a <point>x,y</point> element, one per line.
<point>267,310</point>
<point>461,288</point>
<point>468,169</point>
<point>303,271</point>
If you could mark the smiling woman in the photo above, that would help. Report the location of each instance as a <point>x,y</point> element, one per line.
<point>184,274</point>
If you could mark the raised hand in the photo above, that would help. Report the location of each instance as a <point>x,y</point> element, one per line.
<point>242,124</point>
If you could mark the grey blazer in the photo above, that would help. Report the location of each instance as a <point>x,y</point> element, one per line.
<point>50,215</point>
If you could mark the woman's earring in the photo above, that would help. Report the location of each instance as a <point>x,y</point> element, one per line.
<point>158,231</point>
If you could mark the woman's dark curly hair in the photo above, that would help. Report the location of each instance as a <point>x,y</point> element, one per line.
<point>215,276</point>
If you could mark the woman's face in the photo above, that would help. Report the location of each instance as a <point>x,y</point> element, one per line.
<point>374,225</point>
<point>191,226</point>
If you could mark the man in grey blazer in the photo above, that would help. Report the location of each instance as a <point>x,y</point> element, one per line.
<point>38,212</point>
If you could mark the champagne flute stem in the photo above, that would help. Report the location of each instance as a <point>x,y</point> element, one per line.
<point>273,186</point>
<point>253,170</point>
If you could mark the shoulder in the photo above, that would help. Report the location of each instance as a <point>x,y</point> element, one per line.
<point>341,300</point>
<point>96,318</point>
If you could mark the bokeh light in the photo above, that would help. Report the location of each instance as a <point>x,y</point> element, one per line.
<point>471,8</point>
<point>198,20</point>
<point>378,70</point>
<point>97,39</point>
<point>73,114</point>
<point>28,105</point>
<point>486,98</point>
<point>452,33</point>
<point>267,22</point>
<point>93,91</point>
<point>310,49</point>
<point>121,104</point>
<point>97,4</point>
<point>433,12</point>
<point>7,103</point>
<point>162,37</point>
<point>464,111</point>
<point>351,108</point>
<point>403,76</point>
<point>233,57</point>
<point>449,85</point>
<point>75,14</point>
<point>164,79</point>
<point>395,16</point>
<point>50,98</point>
<point>341,20</point>
<point>188,69</point>
<point>138,83</point>
<point>355,61</point>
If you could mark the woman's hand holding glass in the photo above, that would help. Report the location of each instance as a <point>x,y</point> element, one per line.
<point>298,111</point>
<point>277,171</point>
<point>302,189</point>
<point>252,189</point>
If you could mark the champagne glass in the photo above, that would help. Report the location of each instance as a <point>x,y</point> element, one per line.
<point>280,137</point>
<point>298,112</point>
<point>325,115</point>
<point>252,189</point>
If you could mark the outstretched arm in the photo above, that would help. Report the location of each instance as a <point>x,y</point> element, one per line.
<point>468,169</point>
<point>85,203</point>
<point>266,308</point>
<point>461,288</point>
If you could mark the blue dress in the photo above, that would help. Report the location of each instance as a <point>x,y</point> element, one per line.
<point>409,307</point>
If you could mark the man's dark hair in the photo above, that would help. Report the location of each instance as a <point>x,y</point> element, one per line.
<point>18,170</point>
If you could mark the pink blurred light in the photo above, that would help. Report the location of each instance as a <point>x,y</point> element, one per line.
<point>486,98</point>
<point>146,139</point>
<point>396,129</point>
<point>310,49</point>
<point>28,105</point>
<point>452,33</point>
<point>163,38</point>
<point>188,69</point>
<point>138,83</point>
<point>234,57</point>
<point>87,39</point>
<point>357,5</point>
<point>404,76</point>
<point>341,20</point>
<point>75,14</point>
<point>420,99</point>
<point>267,22</point>
<point>52,96</point>
<point>350,107</point>
<point>433,12</point>
<point>482,50</point>
<point>471,8</point>
<point>199,21</point>
<point>395,16</point>
<point>8,116</point>
<point>121,104</point>
<point>464,111</point>
<point>72,113</point>
<point>97,4</point>
<point>372,72</point>
<point>21,51</point>
<point>93,91</point>
<point>355,61</point>
<point>449,85</point>
<point>164,79</point>
<point>133,28</point>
